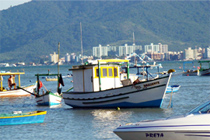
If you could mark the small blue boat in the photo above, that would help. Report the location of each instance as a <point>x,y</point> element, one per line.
<point>17,117</point>
<point>173,88</point>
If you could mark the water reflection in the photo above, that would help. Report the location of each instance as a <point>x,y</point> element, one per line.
<point>56,106</point>
<point>109,115</point>
<point>105,121</point>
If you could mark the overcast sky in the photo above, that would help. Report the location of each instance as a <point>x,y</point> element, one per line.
<point>5,4</point>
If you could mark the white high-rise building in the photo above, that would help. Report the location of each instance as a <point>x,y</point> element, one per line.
<point>160,48</point>
<point>120,50</point>
<point>54,58</point>
<point>189,53</point>
<point>151,48</point>
<point>100,51</point>
<point>208,52</point>
<point>72,57</point>
<point>163,48</point>
<point>67,57</point>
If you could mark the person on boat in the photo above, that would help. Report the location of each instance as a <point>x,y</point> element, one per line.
<point>11,82</point>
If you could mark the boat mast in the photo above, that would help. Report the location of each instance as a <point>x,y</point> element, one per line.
<point>81,41</point>
<point>133,39</point>
<point>58,55</point>
<point>58,76</point>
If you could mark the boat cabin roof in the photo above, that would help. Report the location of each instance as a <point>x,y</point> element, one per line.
<point>11,73</point>
<point>48,74</point>
<point>99,62</point>
<point>143,66</point>
<point>204,61</point>
<point>8,74</point>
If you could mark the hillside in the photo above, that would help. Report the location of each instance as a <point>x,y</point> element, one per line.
<point>32,30</point>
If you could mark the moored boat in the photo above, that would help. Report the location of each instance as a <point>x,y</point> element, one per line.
<point>189,72</point>
<point>204,71</point>
<point>18,117</point>
<point>17,91</point>
<point>100,84</point>
<point>51,79</point>
<point>48,98</point>
<point>195,125</point>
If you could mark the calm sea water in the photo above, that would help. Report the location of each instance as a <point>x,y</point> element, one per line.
<point>64,122</point>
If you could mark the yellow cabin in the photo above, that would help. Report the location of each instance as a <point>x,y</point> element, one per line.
<point>98,75</point>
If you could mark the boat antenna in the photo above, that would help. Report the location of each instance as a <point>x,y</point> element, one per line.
<point>133,39</point>
<point>58,55</point>
<point>58,68</point>
<point>81,41</point>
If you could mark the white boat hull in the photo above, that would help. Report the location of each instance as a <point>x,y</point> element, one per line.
<point>192,127</point>
<point>49,99</point>
<point>18,92</point>
<point>143,94</point>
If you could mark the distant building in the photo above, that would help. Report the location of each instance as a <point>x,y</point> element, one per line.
<point>77,59</point>
<point>100,51</point>
<point>156,56</point>
<point>67,58</point>
<point>119,50</point>
<point>122,51</point>
<point>151,48</point>
<point>72,57</point>
<point>189,54</point>
<point>167,56</point>
<point>181,55</point>
<point>207,53</point>
<point>163,48</point>
<point>159,48</point>
<point>54,58</point>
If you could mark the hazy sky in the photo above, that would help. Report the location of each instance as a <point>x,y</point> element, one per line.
<point>4,4</point>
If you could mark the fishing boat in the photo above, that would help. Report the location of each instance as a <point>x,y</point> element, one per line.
<point>189,72</point>
<point>172,88</point>
<point>203,70</point>
<point>109,84</point>
<point>51,79</point>
<point>17,91</point>
<point>195,125</point>
<point>17,117</point>
<point>49,98</point>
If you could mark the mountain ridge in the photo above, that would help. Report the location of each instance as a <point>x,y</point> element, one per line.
<point>33,30</point>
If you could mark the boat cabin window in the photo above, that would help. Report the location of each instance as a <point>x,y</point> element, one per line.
<point>107,72</point>
<point>115,72</point>
<point>97,72</point>
<point>104,72</point>
<point>110,72</point>
<point>205,109</point>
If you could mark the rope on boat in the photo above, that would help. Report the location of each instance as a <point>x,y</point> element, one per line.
<point>26,91</point>
<point>70,89</point>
